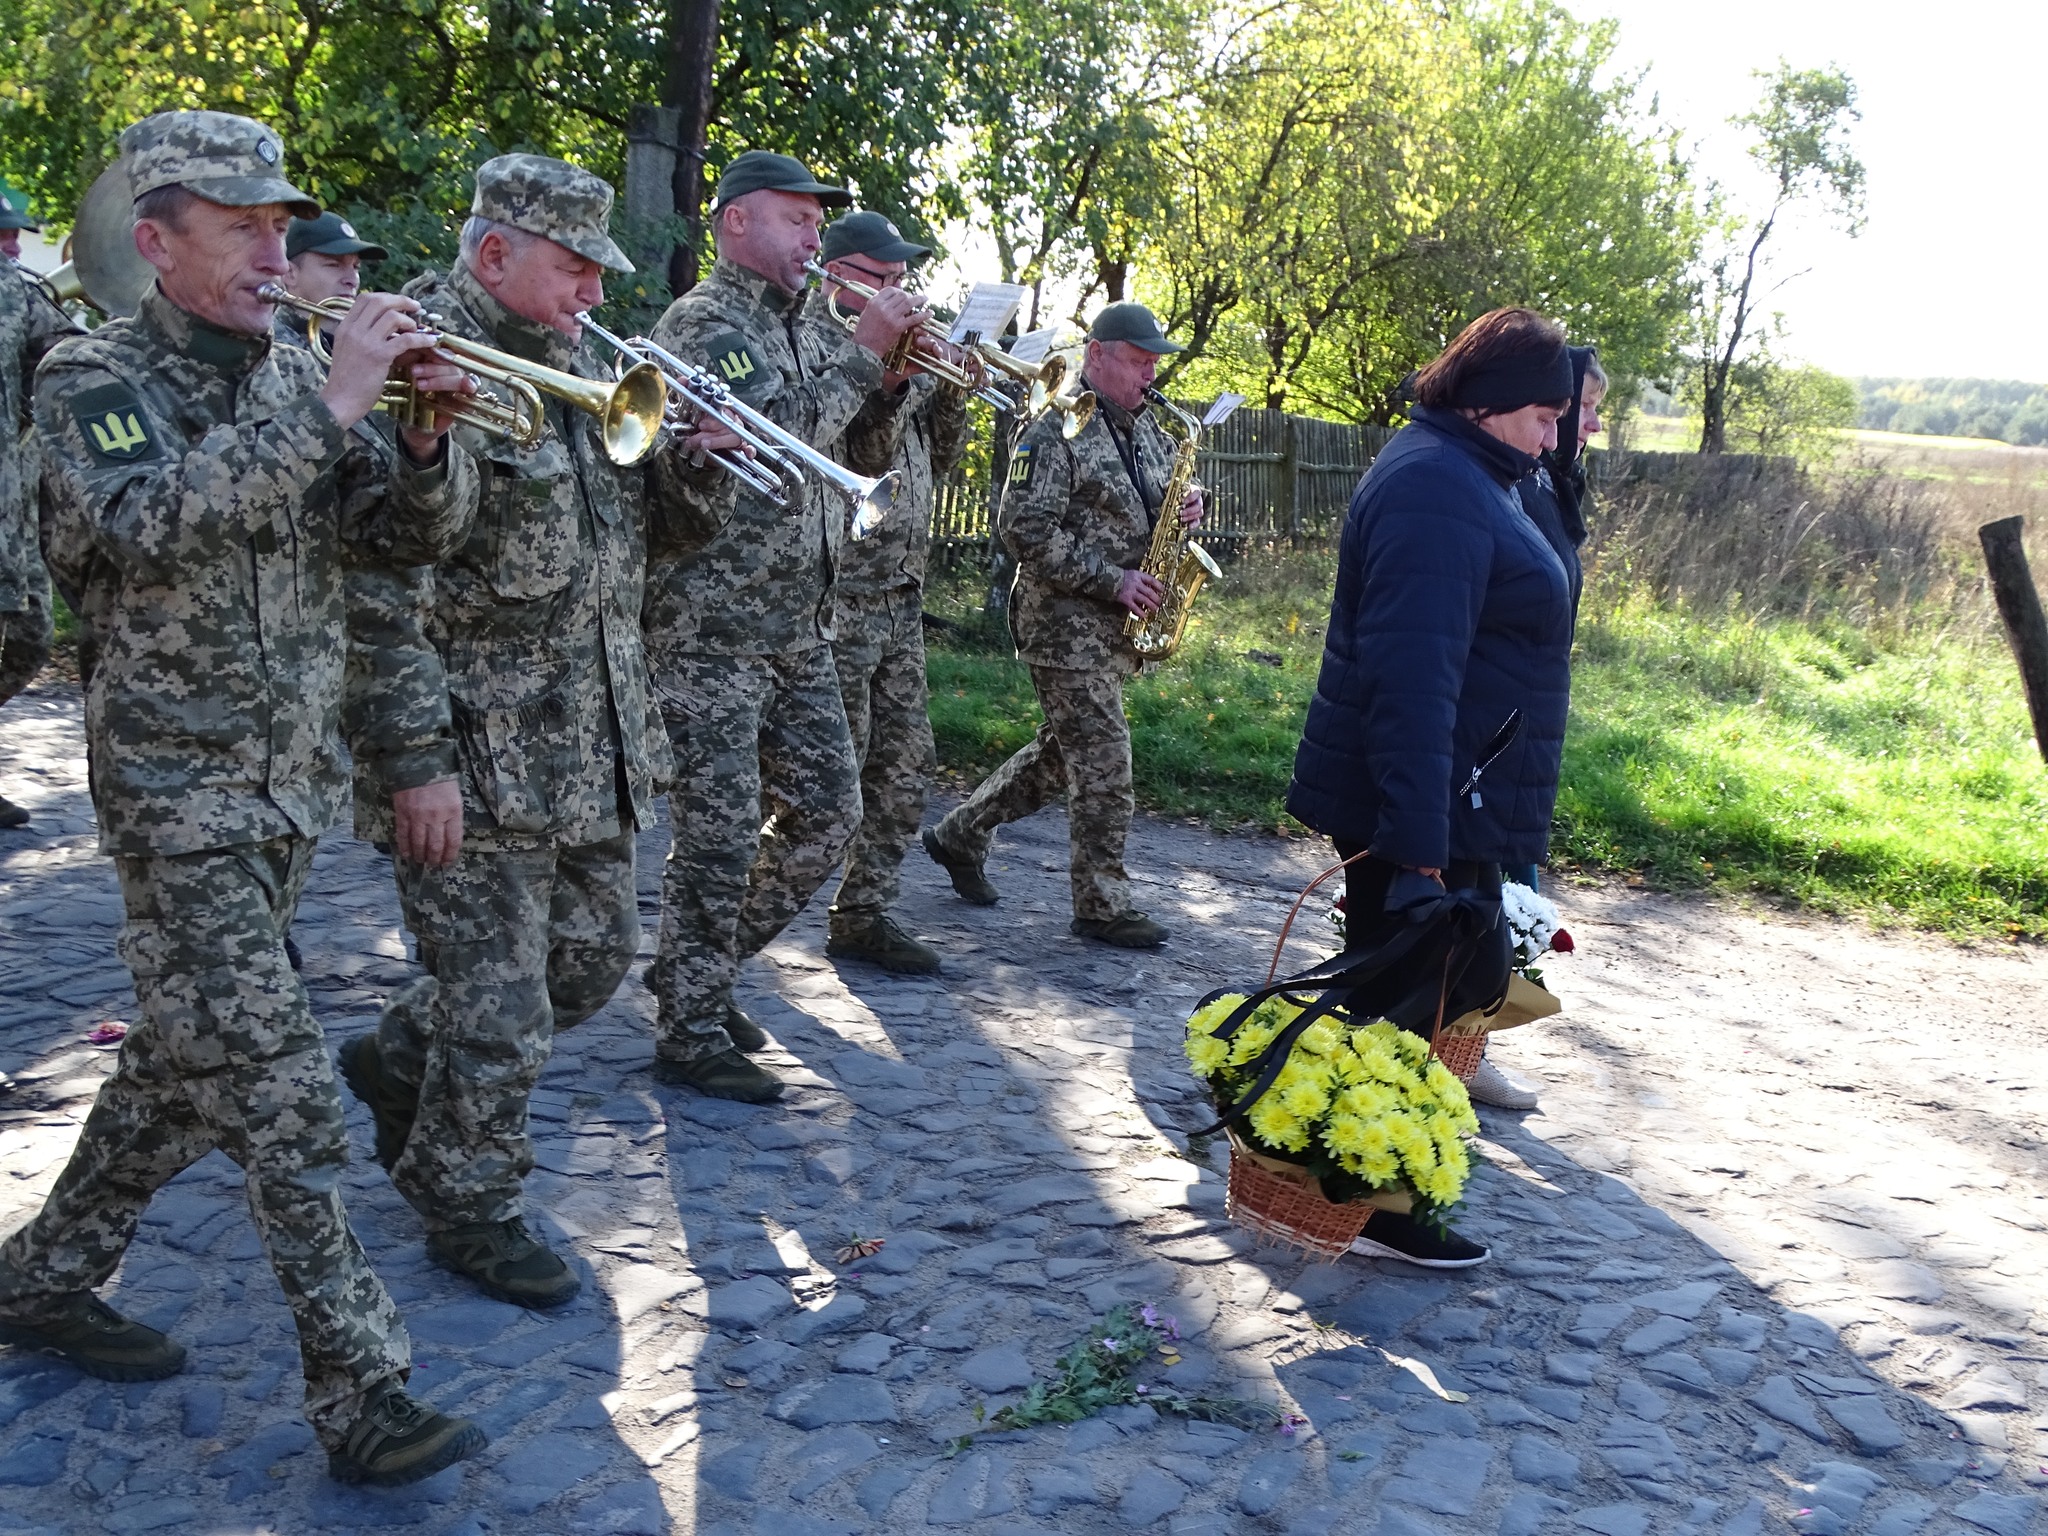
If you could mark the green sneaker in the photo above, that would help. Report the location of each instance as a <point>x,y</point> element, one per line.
<point>392,1104</point>
<point>506,1261</point>
<point>1127,930</point>
<point>746,1034</point>
<point>970,880</point>
<point>880,940</point>
<point>397,1439</point>
<point>727,1075</point>
<point>91,1335</point>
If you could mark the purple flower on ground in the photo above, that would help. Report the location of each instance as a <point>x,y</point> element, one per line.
<point>1110,1345</point>
<point>1290,1422</point>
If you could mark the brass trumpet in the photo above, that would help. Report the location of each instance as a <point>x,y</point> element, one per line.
<point>925,347</point>
<point>629,409</point>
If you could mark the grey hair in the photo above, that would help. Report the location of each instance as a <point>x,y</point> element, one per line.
<point>1595,375</point>
<point>476,227</point>
<point>166,205</point>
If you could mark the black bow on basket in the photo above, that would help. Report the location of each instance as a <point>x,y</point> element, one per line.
<point>1441,939</point>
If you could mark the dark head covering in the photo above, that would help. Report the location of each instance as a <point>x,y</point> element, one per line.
<point>328,235</point>
<point>1567,469</point>
<point>12,217</point>
<point>1133,323</point>
<point>1509,383</point>
<point>762,170</point>
<point>868,234</point>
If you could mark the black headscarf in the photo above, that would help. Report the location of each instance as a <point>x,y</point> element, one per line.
<point>1509,383</point>
<point>1567,469</point>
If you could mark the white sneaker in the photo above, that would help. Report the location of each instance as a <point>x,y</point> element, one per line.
<point>1490,1085</point>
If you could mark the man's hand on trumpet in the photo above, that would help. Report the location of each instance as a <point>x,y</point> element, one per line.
<point>708,435</point>
<point>887,318</point>
<point>379,335</point>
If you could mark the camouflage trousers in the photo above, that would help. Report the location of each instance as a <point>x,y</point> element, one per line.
<point>766,798</point>
<point>517,943</point>
<point>1082,752</point>
<point>25,637</point>
<point>880,655</point>
<point>225,1054</point>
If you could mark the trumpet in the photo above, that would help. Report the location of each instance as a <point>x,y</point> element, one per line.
<point>924,347</point>
<point>771,465</point>
<point>1045,377</point>
<point>630,409</point>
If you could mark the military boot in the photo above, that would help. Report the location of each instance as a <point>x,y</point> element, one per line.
<point>506,1261</point>
<point>746,1034</point>
<point>91,1335</point>
<point>12,815</point>
<point>970,880</point>
<point>392,1104</point>
<point>398,1439</point>
<point>1127,930</point>
<point>880,940</point>
<point>727,1075</point>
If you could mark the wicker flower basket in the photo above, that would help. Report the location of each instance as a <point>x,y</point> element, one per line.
<point>1461,1053</point>
<point>1284,1203</point>
<point>1461,1044</point>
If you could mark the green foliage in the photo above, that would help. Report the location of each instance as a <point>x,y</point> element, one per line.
<point>1788,408</point>
<point>2003,409</point>
<point>1881,769</point>
<point>1100,1372</point>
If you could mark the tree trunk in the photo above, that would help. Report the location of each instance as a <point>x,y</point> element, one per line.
<point>2019,604</point>
<point>692,51</point>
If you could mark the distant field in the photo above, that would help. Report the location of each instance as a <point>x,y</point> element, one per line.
<point>1977,461</point>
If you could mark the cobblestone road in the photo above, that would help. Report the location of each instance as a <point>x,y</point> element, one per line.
<point>1771,1259</point>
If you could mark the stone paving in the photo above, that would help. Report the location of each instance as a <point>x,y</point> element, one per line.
<point>1746,1280</point>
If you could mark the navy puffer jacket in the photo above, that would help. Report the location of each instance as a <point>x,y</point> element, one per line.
<point>1451,610</point>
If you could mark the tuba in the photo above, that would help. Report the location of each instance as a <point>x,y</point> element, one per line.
<point>101,264</point>
<point>1173,558</point>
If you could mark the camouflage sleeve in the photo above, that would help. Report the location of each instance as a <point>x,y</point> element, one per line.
<point>394,705</point>
<point>686,506</point>
<point>948,419</point>
<point>1036,529</point>
<point>148,502</point>
<point>427,511</point>
<point>47,325</point>
<point>816,407</point>
<point>871,439</point>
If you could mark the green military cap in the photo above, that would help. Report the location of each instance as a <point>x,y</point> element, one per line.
<point>230,160</point>
<point>762,170</point>
<point>869,234</point>
<point>12,217</point>
<point>553,199</point>
<point>328,235</point>
<point>1133,323</point>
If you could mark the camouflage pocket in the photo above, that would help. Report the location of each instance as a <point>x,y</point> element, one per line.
<point>533,535</point>
<point>516,755</point>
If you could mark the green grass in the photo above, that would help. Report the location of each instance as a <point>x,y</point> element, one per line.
<point>1892,775</point>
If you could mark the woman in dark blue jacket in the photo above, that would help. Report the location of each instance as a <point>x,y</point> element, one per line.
<point>1452,613</point>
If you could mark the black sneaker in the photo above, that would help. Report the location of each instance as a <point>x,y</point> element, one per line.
<point>291,953</point>
<point>746,1034</point>
<point>727,1075</point>
<point>393,1105</point>
<point>82,1329</point>
<point>1389,1235</point>
<point>970,880</point>
<point>397,1439</point>
<point>12,815</point>
<point>506,1261</point>
<point>880,941</point>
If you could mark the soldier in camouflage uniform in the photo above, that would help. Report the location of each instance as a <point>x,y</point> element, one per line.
<point>535,632</point>
<point>916,426</point>
<point>739,627</point>
<point>30,324</point>
<point>192,469</point>
<point>1077,516</point>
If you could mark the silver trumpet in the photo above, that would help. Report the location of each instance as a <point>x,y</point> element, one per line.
<point>771,467</point>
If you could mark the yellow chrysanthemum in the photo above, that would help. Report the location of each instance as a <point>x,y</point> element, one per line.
<point>1345,1136</point>
<point>1378,1169</point>
<point>1278,1126</point>
<point>1207,1054</point>
<point>1321,1038</point>
<point>1307,1099</point>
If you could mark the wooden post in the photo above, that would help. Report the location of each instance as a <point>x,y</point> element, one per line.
<point>687,90</point>
<point>1288,473</point>
<point>650,165</point>
<point>2019,604</point>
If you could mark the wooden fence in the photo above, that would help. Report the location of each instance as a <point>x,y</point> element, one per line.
<point>1271,477</point>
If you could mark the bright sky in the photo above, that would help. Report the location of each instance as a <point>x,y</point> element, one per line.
<point>1946,278</point>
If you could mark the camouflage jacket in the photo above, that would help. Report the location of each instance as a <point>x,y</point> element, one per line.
<point>1075,521</point>
<point>917,432</point>
<point>394,696</point>
<point>757,581</point>
<point>194,480</point>
<point>535,621</point>
<point>29,326</point>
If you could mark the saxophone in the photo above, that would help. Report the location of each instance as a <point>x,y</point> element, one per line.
<point>1173,558</point>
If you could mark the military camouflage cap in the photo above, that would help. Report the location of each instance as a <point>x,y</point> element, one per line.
<point>230,160</point>
<point>551,198</point>
<point>1133,323</point>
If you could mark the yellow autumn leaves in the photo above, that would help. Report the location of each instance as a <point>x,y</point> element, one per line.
<point>1370,1095</point>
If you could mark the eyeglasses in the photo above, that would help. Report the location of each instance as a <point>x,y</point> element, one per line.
<point>876,279</point>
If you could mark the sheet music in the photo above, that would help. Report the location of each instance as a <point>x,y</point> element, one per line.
<point>1033,345</point>
<point>988,310</point>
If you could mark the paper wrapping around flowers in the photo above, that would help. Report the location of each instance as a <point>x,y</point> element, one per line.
<point>1526,1002</point>
<point>1400,1201</point>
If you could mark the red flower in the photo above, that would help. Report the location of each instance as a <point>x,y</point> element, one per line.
<point>1339,904</point>
<point>1562,942</point>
